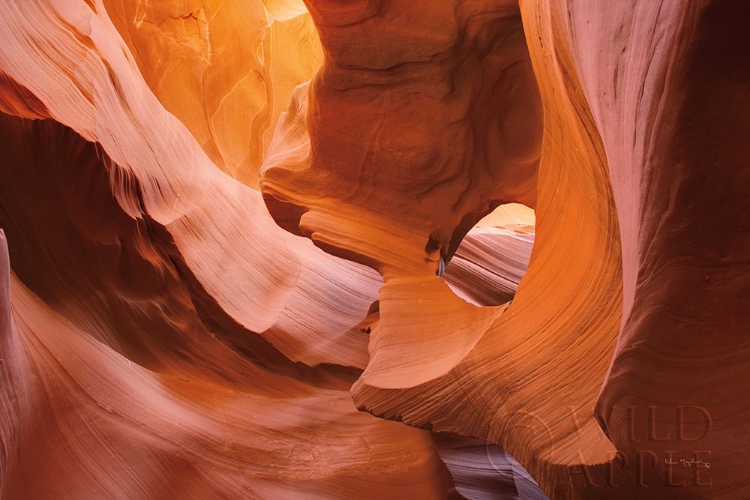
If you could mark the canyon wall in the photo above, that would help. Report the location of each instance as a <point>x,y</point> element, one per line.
<point>278,249</point>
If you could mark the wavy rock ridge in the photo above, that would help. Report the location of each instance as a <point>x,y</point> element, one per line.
<point>275,249</point>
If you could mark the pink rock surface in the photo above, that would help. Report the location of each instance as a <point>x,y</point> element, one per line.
<point>261,248</point>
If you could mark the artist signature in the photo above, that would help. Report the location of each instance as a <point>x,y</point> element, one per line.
<point>688,463</point>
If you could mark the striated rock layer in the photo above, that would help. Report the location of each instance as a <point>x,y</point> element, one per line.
<point>374,249</point>
<point>226,69</point>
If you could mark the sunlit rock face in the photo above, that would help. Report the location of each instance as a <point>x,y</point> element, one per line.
<point>374,249</point>
<point>226,69</point>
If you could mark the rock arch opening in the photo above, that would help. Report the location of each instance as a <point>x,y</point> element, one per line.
<point>492,258</point>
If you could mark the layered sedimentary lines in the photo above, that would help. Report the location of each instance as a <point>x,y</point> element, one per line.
<point>418,95</point>
<point>226,69</point>
<point>373,249</point>
<point>492,258</point>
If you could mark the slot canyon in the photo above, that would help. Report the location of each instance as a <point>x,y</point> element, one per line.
<point>376,249</point>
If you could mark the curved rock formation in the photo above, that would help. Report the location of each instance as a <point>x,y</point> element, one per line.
<point>262,248</point>
<point>493,354</point>
<point>682,199</point>
<point>225,69</point>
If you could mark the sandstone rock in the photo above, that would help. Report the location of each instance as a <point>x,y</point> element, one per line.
<point>374,249</point>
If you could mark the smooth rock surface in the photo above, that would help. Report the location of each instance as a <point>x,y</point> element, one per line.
<point>374,249</point>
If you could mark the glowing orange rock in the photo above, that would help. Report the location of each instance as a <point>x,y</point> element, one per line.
<point>226,69</point>
<point>403,202</point>
<point>167,329</point>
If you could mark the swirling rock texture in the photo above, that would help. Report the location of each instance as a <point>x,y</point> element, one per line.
<point>275,249</point>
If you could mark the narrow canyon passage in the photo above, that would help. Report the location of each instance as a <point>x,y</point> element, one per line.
<point>481,249</point>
